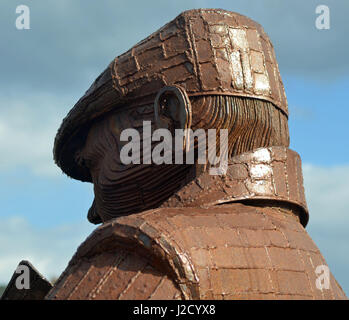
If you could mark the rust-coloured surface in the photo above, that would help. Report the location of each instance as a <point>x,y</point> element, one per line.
<point>205,52</point>
<point>114,274</point>
<point>273,173</point>
<point>233,251</point>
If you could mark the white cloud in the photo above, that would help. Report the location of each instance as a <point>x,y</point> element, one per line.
<point>49,250</point>
<point>301,113</point>
<point>27,129</point>
<point>327,193</point>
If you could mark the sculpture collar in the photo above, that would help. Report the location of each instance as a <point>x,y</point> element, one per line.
<point>265,174</point>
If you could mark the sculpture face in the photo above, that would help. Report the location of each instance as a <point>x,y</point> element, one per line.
<point>122,189</point>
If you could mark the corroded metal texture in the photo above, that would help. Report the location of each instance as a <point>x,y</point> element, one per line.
<point>206,52</point>
<point>233,251</point>
<point>273,173</point>
<point>113,274</point>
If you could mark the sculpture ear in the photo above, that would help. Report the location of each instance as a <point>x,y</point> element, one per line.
<point>172,109</point>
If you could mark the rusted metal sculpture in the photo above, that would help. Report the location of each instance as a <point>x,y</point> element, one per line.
<point>174,231</point>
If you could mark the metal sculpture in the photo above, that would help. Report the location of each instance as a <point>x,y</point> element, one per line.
<point>174,231</point>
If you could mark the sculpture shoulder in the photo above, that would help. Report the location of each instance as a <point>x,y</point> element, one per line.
<point>117,261</point>
<point>138,256</point>
<point>145,255</point>
<point>231,252</point>
<point>113,275</point>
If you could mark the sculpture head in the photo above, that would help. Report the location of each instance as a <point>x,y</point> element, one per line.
<point>206,69</point>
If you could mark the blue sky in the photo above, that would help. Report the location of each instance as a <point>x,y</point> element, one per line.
<point>46,69</point>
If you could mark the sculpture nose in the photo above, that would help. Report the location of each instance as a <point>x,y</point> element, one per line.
<point>92,214</point>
